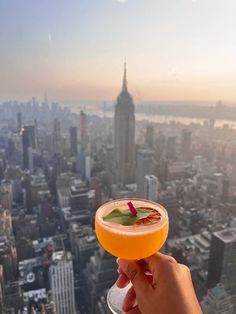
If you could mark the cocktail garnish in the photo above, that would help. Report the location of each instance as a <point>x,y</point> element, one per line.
<point>132,209</point>
<point>124,216</point>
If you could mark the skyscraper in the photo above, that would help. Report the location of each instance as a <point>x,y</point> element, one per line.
<point>83,130</point>
<point>61,279</point>
<point>186,144</point>
<point>27,193</point>
<point>145,166</point>
<point>73,141</point>
<point>222,262</point>
<point>19,121</point>
<point>6,195</point>
<point>124,136</point>
<point>28,142</point>
<point>56,136</point>
<point>150,187</point>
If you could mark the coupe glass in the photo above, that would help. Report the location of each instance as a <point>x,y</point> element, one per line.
<point>133,242</point>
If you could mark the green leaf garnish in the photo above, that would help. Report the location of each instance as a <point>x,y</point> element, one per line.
<point>124,217</point>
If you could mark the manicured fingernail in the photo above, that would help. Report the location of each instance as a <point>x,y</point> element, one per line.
<point>123,264</point>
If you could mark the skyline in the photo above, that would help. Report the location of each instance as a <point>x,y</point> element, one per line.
<point>181,51</point>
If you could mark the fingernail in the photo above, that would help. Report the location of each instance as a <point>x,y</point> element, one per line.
<point>123,264</point>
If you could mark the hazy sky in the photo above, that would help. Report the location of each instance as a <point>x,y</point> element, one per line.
<point>175,49</point>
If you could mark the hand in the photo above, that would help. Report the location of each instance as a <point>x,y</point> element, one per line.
<point>159,286</point>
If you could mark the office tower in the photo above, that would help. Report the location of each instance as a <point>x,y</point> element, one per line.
<point>83,243</point>
<point>79,197</point>
<point>6,195</point>
<point>73,141</point>
<point>28,143</point>
<point>87,167</point>
<point>30,129</point>
<point>61,278</point>
<point>25,145</point>
<point>13,297</point>
<point>19,121</point>
<point>99,276</point>
<point>186,144</point>
<point>124,133</point>
<point>145,166</point>
<point>36,135</point>
<point>149,136</point>
<point>83,130</point>
<point>8,256</point>
<point>11,148</point>
<point>171,148</point>
<point>222,262</point>
<point>217,301</point>
<point>31,160</point>
<point>56,137</point>
<point>169,200</point>
<point>150,187</point>
<point>27,193</point>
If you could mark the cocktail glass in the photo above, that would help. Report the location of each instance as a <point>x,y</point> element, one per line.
<point>132,242</point>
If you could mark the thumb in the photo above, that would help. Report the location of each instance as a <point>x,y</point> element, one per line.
<point>135,274</point>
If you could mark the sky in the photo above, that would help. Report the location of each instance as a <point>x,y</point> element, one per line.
<point>176,50</point>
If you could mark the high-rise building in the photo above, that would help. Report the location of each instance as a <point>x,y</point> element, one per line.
<point>73,141</point>
<point>25,145</point>
<point>217,301</point>
<point>79,200</point>
<point>19,121</point>
<point>27,193</point>
<point>145,166</point>
<point>56,136</point>
<point>150,187</point>
<point>169,200</point>
<point>87,167</point>
<point>124,132</point>
<point>36,135</point>
<point>61,279</point>
<point>99,275</point>
<point>6,195</point>
<point>28,143</point>
<point>83,130</point>
<point>186,144</point>
<point>222,262</point>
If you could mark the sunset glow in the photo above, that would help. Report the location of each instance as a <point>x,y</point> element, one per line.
<point>175,50</point>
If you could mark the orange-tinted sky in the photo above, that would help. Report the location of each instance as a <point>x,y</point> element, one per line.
<point>175,49</point>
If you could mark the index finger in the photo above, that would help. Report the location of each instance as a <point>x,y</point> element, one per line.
<point>156,263</point>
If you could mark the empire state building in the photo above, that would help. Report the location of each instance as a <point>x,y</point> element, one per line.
<point>124,136</point>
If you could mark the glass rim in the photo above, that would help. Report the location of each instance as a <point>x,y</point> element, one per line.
<point>134,229</point>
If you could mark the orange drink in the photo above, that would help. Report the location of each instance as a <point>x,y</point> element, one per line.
<point>137,238</point>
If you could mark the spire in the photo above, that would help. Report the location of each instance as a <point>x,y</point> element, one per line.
<point>124,86</point>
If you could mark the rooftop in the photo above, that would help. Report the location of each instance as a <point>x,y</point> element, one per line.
<point>61,256</point>
<point>228,235</point>
<point>219,291</point>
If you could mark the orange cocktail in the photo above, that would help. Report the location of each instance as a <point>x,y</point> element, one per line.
<point>139,240</point>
